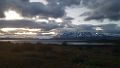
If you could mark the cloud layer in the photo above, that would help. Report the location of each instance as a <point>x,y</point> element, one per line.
<point>31,9</point>
<point>101,9</point>
<point>29,24</point>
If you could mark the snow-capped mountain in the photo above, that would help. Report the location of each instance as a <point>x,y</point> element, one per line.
<point>87,36</point>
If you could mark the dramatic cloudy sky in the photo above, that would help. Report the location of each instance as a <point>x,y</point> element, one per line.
<point>83,14</point>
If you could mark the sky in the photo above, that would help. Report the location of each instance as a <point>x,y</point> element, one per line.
<point>61,14</point>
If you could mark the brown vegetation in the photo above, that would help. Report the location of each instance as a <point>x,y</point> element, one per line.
<point>26,55</point>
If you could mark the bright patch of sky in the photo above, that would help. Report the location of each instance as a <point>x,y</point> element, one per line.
<point>42,1</point>
<point>76,11</point>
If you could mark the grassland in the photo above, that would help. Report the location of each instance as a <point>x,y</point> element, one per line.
<point>26,55</point>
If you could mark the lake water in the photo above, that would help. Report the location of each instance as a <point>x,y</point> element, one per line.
<point>59,42</point>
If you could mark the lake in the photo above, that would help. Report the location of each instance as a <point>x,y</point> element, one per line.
<point>59,42</point>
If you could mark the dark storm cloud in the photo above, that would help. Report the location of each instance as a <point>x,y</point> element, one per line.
<point>18,24</point>
<point>31,9</point>
<point>2,3</point>
<point>41,9</point>
<point>111,28</point>
<point>85,27</point>
<point>54,8</point>
<point>69,18</point>
<point>29,24</point>
<point>103,9</point>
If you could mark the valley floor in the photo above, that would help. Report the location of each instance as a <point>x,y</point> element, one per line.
<point>26,55</point>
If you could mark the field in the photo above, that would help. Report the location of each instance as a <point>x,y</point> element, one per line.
<point>26,55</point>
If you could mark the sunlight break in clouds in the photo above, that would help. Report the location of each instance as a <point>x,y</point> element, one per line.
<point>75,12</point>
<point>19,29</point>
<point>79,19</point>
<point>12,15</point>
<point>42,1</point>
<point>59,20</point>
<point>49,33</point>
<point>8,29</point>
<point>25,33</point>
<point>98,29</point>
